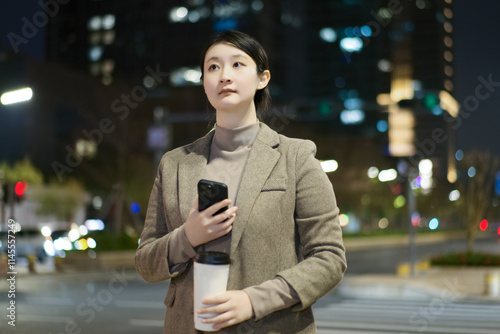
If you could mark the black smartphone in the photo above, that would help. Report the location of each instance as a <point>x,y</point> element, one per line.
<point>211,192</point>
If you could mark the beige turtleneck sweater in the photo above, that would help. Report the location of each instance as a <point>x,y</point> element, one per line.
<point>227,159</point>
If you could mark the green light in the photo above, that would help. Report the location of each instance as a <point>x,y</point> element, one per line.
<point>399,202</point>
<point>431,101</point>
<point>324,108</point>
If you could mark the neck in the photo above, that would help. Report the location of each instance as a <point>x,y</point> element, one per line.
<point>230,119</point>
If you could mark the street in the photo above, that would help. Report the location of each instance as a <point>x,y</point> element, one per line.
<point>397,316</point>
<point>384,260</point>
<point>119,301</point>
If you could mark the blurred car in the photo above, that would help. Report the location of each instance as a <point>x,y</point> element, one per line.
<point>27,242</point>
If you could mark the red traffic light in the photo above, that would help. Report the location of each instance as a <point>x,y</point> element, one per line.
<point>483,225</point>
<point>20,188</point>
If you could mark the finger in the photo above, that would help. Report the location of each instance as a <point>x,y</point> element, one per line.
<point>211,309</point>
<point>224,227</point>
<point>229,213</point>
<point>220,325</point>
<point>217,206</point>
<point>220,298</point>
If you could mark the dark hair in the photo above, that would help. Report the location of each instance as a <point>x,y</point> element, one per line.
<point>254,49</point>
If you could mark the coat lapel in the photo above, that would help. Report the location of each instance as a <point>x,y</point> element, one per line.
<point>191,169</point>
<point>261,161</point>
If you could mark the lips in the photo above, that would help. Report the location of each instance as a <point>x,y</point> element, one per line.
<point>226,91</point>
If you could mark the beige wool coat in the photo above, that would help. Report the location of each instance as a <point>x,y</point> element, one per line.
<point>286,225</point>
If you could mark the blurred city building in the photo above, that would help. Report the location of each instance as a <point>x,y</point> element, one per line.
<point>371,82</point>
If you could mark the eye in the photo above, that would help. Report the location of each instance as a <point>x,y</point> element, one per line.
<point>212,67</point>
<point>238,64</point>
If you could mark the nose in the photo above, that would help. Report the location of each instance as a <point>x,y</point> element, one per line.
<point>225,75</point>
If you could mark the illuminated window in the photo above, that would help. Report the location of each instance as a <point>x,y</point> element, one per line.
<point>448,41</point>
<point>448,70</point>
<point>351,44</point>
<point>95,69</point>
<point>448,85</point>
<point>95,53</point>
<point>178,14</point>
<point>448,27</point>
<point>95,38</point>
<point>384,65</point>
<point>95,23</point>
<point>328,35</point>
<point>107,80</point>
<point>108,66</point>
<point>108,22</point>
<point>108,37</point>
<point>448,56</point>
<point>448,13</point>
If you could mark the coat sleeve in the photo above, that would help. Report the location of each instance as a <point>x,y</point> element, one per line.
<point>319,231</point>
<point>152,255</point>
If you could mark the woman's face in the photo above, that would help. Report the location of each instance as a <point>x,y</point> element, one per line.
<point>230,78</point>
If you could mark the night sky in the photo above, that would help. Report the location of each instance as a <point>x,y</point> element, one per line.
<point>477,54</point>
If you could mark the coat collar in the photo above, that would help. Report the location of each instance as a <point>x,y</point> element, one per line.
<point>261,160</point>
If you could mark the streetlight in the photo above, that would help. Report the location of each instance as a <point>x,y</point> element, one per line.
<point>15,96</point>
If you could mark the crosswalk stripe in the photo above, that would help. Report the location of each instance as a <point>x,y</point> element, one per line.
<point>139,304</point>
<point>353,316</point>
<point>146,323</point>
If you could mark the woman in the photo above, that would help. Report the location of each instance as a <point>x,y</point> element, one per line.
<point>282,232</point>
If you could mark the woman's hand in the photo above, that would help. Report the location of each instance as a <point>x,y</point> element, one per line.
<point>234,307</point>
<point>202,227</point>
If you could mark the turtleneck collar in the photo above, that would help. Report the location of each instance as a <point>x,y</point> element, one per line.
<point>232,139</point>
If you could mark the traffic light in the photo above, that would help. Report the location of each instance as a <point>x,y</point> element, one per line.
<point>19,190</point>
<point>325,108</point>
<point>430,102</point>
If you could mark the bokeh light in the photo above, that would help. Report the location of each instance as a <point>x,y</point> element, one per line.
<point>383,223</point>
<point>387,175</point>
<point>471,171</point>
<point>415,219</point>
<point>454,195</point>
<point>483,225</point>
<point>328,35</point>
<point>135,207</point>
<point>46,231</point>
<point>433,223</point>
<point>329,166</point>
<point>382,126</point>
<point>399,202</point>
<point>344,219</point>
<point>372,172</point>
<point>91,243</point>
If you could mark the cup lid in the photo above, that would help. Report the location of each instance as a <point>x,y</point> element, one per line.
<point>210,257</point>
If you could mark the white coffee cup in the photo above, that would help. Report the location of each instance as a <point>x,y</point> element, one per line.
<point>211,272</point>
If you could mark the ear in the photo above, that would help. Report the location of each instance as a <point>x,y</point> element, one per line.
<point>264,79</point>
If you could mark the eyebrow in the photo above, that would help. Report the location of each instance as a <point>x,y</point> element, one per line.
<point>238,55</point>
